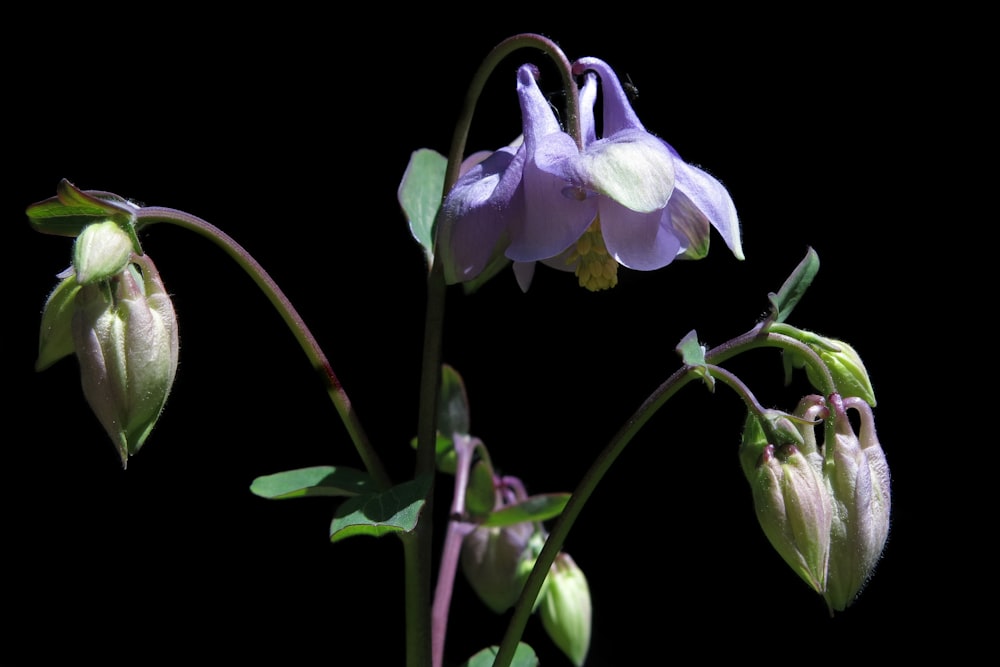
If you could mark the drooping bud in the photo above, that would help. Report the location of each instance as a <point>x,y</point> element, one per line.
<point>857,475</point>
<point>792,503</point>
<point>125,338</point>
<point>492,561</point>
<point>101,251</point>
<point>566,609</point>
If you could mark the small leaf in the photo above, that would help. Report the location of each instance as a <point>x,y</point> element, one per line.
<point>535,508</point>
<point>392,511</point>
<point>420,193</point>
<point>55,339</point>
<point>72,209</point>
<point>693,354</point>
<point>480,494</point>
<point>524,656</point>
<point>794,287</point>
<point>315,481</point>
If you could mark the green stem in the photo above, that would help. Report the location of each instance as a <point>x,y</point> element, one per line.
<point>154,214</point>
<point>418,545</point>
<point>586,487</point>
<point>754,338</point>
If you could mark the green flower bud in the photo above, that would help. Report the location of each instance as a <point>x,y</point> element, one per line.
<point>857,476</point>
<point>125,338</point>
<point>792,503</point>
<point>101,251</point>
<point>848,371</point>
<point>566,609</point>
<point>492,560</point>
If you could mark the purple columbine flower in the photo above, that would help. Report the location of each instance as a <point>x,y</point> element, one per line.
<point>623,198</point>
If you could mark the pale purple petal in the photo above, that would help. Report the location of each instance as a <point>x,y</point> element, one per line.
<point>523,273</point>
<point>557,211</point>
<point>710,198</point>
<point>617,110</point>
<point>476,213</point>
<point>588,98</point>
<point>537,116</point>
<point>640,241</point>
<point>555,214</point>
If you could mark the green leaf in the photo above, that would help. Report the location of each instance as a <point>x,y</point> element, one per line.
<point>524,656</point>
<point>55,339</point>
<point>480,494</point>
<point>420,194</point>
<point>794,287</point>
<point>392,511</point>
<point>72,209</point>
<point>536,508</point>
<point>693,354</point>
<point>315,481</point>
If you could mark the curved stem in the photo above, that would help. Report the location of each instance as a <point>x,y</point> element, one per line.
<point>499,52</point>
<point>586,487</point>
<point>154,214</point>
<point>418,544</point>
<point>756,337</point>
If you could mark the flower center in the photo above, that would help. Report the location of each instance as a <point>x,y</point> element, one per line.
<point>595,268</point>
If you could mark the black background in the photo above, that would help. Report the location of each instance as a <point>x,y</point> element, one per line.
<point>291,131</point>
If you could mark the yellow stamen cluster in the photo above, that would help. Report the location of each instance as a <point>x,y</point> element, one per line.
<point>595,268</point>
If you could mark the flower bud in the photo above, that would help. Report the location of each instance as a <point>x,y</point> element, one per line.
<point>566,609</point>
<point>125,338</point>
<point>844,364</point>
<point>857,476</point>
<point>792,503</point>
<point>101,251</point>
<point>492,563</point>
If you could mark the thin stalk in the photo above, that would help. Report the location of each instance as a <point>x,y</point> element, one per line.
<point>754,338</point>
<point>418,547</point>
<point>158,214</point>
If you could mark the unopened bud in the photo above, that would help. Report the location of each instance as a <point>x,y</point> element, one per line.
<point>101,251</point>
<point>857,476</point>
<point>842,361</point>
<point>125,338</point>
<point>566,609</point>
<point>792,503</point>
<point>492,563</point>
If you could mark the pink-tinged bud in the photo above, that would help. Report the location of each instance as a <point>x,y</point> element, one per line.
<point>125,338</point>
<point>492,563</point>
<point>792,503</point>
<point>857,476</point>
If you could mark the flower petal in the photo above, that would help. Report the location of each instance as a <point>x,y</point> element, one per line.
<point>554,215</point>
<point>588,97</point>
<point>556,212</point>
<point>709,198</point>
<point>537,116</point>
<point>476,213</point>
<point>617,110</point>
<point>632,167</point>
<point>640,241</point>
